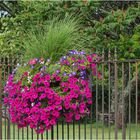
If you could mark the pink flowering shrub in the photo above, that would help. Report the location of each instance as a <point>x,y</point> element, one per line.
<point>39,93</point>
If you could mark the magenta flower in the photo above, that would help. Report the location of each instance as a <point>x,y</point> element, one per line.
<point>52,121</point>
<point>47,77</point>
<point>57,78</point>
<point>65,89</point>
<point>32,62</point>
<point>77,117</point>
<point>89,58</point>
<point>73,106</point>
<point>42,96</point>
<point>69,117</point>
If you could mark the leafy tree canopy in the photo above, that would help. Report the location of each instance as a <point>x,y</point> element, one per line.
<point>104,24</point>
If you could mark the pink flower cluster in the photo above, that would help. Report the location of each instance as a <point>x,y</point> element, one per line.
<point>38,105</point>
<point>49,97</point>
<point>78,99</point>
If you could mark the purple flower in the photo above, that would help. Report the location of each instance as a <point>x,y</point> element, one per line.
<point>73,73</point>
<point>82,52</point>
<point>83,77</point>
<point>70,52</point>
<point>14,71</point>
<point>37,59</point>
<point>57,71</point>
<point>32,67</point>
<point>64,57</point>
<point>74,64</point>
<point>48,60</point>
<point>74,52</point>
<point>64,74</point>
<point>70,75</point>
<point>43,68</point>
<point>83,73</point>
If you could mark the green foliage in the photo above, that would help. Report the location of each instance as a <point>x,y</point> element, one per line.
<point>53,40</point>
<point>116,30</point>
<point>104,24</point>
<point>9,38</point>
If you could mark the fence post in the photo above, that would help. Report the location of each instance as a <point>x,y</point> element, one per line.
<point>8,129</point>
<point>116,94</point>
<point>0,101</point>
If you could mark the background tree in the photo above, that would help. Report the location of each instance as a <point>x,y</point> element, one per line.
<point>104,24</point>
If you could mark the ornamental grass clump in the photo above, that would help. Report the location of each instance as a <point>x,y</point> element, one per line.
<point>40,93</point>
<point>54,39</point>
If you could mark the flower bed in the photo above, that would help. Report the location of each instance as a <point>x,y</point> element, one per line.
<point>40,92</point>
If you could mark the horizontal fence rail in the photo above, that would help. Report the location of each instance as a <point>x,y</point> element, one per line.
<point>115,111</point>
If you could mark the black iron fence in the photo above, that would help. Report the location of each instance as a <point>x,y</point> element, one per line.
<point>115,112</point>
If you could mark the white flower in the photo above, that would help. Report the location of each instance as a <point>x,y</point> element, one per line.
<point>32,104</point>
<point>42,62</point>
<point>22,90</point>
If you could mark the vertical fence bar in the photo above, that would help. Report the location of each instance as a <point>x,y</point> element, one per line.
<point>62,129</point>
<point>57,131</point>
<point>18,134</point>
<point>27,132</point>
<point>41,136</point>
<point>47,134</point>
<point>18,58</point>
<point>103,94</point>
<point>52,133</point>
<point>79,127</point>
<point>123,105</point>
<point>23,133</point>
<point>85,129</point>
<point>8,129</point>
<point>136,100</point>
<point>13,129</point>
<point>73,129</point>
<point>32,135</point>
<point>8,126</point>
<point>37,133</point>
<point>109,78</point>
<point>4,78</point>
<point>91,113</point>
<point>12,67</point>
<point>129,92</point>
<point>96,101</point>
<point>0,101</point>
<point>116,96</point>
<point>68,131</point>
<point>14,124</point>
<point>20,62</point>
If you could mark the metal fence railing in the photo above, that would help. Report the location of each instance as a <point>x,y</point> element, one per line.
<point>115,112</point>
